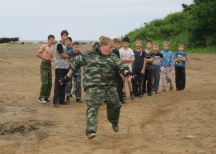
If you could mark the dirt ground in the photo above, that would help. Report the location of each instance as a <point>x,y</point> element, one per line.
<point>168,122</point>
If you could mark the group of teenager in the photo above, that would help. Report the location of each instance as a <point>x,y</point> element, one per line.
<point>106,69</point>
<point>149,66</point>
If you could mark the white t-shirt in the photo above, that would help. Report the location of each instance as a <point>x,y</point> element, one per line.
<point>126,54</point>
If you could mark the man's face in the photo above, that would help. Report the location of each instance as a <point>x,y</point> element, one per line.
<point>68,43</point>
<point>75,48</point>
<point>125,44</point>
<point>107,48</point>
<point>149,45</point>
<point>166,47</point>
<point>155,48</point>
<point>117,45</point>
<point>64,38</point>
<point>181,48</point>
<point>51,41</point>
<point>138,44</point>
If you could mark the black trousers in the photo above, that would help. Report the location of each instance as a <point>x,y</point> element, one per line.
<point>180,78</point>
<point>149,78</point>
<point>119,82</point>
<point>137,81</point>
<point>59,90</point>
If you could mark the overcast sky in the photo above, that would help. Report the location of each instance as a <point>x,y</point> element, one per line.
<point>84,19</point>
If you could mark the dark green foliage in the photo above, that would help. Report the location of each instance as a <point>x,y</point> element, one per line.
<point>195,26</point>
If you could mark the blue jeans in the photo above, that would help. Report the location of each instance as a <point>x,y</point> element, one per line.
<point>77,79</point>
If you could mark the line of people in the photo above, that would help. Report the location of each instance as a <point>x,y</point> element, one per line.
<point>105,74</point>
<point>149,66</point>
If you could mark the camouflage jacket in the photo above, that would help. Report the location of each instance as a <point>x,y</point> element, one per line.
<point>99,70</point>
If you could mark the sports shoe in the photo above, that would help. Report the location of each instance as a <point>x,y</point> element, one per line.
<point>115,128</point>
<point>149,94</point>
<point>67,101</point>
<point>78,100</point>
<point>132,96</point>
<point>48,100</point>
<point>56,105</point>
<point>91,135</point>
<point>154,92</point>
<point>41,100</point>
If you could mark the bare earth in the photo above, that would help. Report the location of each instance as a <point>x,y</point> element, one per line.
<point>169,122</point>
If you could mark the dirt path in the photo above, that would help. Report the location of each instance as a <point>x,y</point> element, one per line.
<point>168,123</point>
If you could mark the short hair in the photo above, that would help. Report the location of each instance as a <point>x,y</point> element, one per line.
<point>126,39</point>
<point>138,40</point>
<point>156,44</point>
<point>69,38</point>
<point>106,41</point>
<point>166,43</point>
<point>64,32</point>
<point>116,40</point>
<point>101,37</point>
<point>180,44</point>
<point>51,36</point>
<point>149,41</point>
<point>76,43</point>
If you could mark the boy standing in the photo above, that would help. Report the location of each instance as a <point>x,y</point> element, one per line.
<point>166,67</point>
<point>149,69</point>
<point>46,54</point>
<point>69,45</point>
<point>127,57</point>
<point>76,74</point>
<point>118,78</point>
<point>61,69</point>
<point>138,68</point>
<point>69,49</point>
<point>180,59</point>
<point>156,68</point>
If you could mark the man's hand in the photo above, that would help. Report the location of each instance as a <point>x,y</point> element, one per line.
<point>142,71</point>
<point>129,74</point>
<point>170,69</point>
<point>64,80</point>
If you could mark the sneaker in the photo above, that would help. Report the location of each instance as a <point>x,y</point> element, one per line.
<point>115,128</point>
<point>78,100</point>
<point>124,96</point>
<point>91,135</point>
<point>41,100</point>
<point>149,94</point>
<point>132,96</point>
<point>154,92</point>
<point>56,105</point>
<point>67,101</point>
<point>48,100</point>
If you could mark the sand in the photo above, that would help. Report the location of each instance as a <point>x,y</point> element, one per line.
<point>168,122</point>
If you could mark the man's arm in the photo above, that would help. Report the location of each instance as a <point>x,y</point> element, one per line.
<point>74,64</point>
<point>61,52</point>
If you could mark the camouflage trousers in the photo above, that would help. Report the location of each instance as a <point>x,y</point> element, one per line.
<point>46,79</point>
<point>95,97</point>
<point>77,80</point>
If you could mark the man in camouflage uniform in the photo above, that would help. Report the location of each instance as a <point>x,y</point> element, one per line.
<point>99,84</point>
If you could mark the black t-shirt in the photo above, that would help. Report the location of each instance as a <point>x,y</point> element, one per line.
<point>157,58</point>
<point>115,51</point>
<point>139,58</point>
